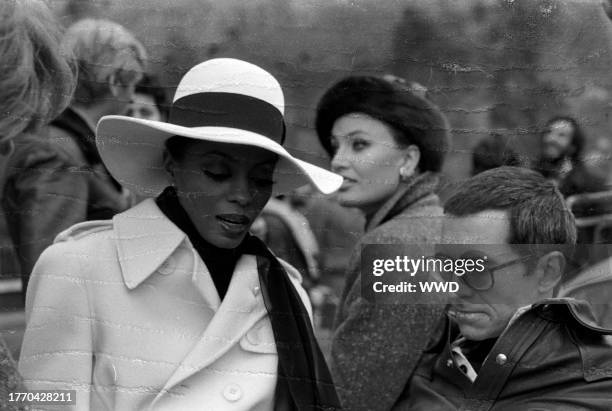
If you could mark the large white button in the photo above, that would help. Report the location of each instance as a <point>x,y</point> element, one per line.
<point>232,392</point>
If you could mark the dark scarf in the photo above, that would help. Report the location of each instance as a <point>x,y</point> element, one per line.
<point>304,381</point>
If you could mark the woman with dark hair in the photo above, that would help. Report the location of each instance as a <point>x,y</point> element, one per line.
<point>172,304</point>
<point>389,145</point>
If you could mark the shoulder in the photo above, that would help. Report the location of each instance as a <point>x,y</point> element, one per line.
<point>85,230</point>
<point>77,243</point>
<point>413,224</point>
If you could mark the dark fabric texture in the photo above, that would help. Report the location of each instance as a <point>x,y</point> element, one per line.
<point>376,346</point>
<point>304,381</point>
<point>477,351</point>
<point>552,357</point>
<point>231,110</point>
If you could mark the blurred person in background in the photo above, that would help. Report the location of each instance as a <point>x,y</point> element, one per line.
<point>150,100</point>
<point>389,145</point>
<point>562,143</point>
<point>56,177</point>
<point>36,83</point>
<point>337,230</point>
<point>492,152</point>
<point>507,342</point>
<point>288,234</point>
<point>172,304</point>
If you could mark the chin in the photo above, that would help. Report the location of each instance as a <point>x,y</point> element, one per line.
<point>478,333</point>
<point>227,243</point>
<point>347,200</point>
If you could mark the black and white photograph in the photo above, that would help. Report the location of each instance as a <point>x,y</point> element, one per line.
<point>306,205</point>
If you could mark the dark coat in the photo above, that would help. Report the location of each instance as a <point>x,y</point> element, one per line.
<point>375,347</point>
<point>54,179</point>
<point>552,357</point>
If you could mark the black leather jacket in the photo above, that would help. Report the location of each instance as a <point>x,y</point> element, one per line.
<point>552,357</point>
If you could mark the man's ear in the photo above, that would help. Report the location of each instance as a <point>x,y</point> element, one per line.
<point>550,269</point>
<point>114,85</point>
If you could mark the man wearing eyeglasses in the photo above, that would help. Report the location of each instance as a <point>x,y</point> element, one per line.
<point>505,342</point>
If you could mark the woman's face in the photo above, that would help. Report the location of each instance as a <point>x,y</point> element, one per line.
<point>223,188</point>
<point>367,155</point>
<point>557,141</point>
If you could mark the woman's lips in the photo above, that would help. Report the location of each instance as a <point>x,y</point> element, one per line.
<point>234,223</point>
<point>347,182</point>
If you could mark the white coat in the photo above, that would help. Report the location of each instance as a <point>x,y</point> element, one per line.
<point>125,313</point>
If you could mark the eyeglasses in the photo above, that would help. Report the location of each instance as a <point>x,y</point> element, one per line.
<point>478,280</point>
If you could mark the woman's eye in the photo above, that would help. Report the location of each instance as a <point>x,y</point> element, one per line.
<point>359,145</point>
<point>216,175</point>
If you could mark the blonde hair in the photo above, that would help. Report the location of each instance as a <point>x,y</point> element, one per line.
<point>103,48</point>
<point>36,80</point>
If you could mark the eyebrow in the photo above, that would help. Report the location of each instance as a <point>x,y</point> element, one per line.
<point>351,134</point>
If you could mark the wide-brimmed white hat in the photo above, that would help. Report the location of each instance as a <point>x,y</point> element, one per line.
<point>220,100</point>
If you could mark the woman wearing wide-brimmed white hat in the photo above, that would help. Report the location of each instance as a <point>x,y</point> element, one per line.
<point>173,304</point>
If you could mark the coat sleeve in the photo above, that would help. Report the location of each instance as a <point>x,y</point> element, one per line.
<point>375,349</point>
<point>57,348</point>
<point>44,195</point>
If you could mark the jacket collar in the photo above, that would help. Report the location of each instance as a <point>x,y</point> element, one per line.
<point>138,231</point>
<point>417,189</point>
<point>578,312</point>
<point>84,135</point>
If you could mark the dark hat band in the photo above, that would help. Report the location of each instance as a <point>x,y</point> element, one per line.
<point>229,110</point>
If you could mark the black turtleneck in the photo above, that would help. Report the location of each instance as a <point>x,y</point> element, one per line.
<point>219,261</point>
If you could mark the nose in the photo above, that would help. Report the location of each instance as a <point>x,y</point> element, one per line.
<point>340,160</point>
<point>241,191</point>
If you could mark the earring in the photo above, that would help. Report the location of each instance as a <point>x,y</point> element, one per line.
<point>404,174</point>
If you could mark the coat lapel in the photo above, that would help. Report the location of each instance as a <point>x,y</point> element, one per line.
<point>241,308</point>
<point>145,239</point>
